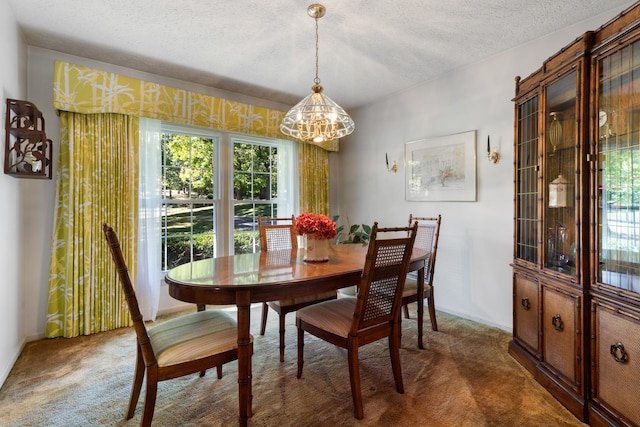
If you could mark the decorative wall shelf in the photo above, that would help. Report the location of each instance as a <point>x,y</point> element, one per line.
<point>27,151</point>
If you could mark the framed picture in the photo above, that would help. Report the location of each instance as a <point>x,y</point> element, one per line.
<point>441,169</point>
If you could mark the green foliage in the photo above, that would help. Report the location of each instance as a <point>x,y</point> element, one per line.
<point>203,246</point>
<point>189,160</point>
<point>255,172</point>
<point>179,249</point>
<point>357,233</point>
<point>622,176</point>
<point>243,242</point>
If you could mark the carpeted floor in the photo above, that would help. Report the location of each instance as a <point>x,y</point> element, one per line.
<point>464,377</point>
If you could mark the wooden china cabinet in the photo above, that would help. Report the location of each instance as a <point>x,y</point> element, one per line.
<point>576,268</point>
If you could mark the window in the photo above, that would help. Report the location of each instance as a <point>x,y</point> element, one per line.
<point>214,187</point>
<point>189,196</point>
<point>255,190</point>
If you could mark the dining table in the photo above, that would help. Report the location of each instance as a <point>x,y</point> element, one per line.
<point>244,279</point>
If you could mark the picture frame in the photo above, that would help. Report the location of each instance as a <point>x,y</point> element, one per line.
<point>441,168</point>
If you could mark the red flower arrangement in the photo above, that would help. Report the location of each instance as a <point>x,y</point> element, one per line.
<point>320,225</point>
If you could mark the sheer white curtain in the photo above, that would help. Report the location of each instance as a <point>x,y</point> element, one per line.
<point>288,191</point>
<point>149,274</point>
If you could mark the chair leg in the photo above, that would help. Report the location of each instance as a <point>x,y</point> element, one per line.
<point>203,307</point>
<point>432,312</point>
<point>394,353</point>
<point>150,398</point>
<point>300,351</point>
<point>405,309</point>
<point>354,377</point>
<point>218,371</point>
<point>281,331</point>
<point>420,308</point>
<point>250,401</point>
<point>138,376</point>
<point>263,324</point>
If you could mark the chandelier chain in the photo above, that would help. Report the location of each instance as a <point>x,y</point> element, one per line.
<point>317,79</point>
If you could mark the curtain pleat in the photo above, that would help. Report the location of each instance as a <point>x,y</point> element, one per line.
<point>97,183</point>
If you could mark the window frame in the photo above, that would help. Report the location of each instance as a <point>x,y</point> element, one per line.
<point>223,200</point>
<point>217,139</point>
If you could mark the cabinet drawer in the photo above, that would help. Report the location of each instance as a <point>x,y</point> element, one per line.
<point>561,334</point>
<point>616,383</point>
<point>526,312</point>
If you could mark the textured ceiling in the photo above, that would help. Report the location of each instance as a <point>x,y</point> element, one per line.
<point>368,48</point>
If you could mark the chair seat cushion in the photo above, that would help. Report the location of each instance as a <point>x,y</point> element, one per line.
<point>349,291</point>
<point>335,316</point>
<point>411,288</point>
<point>305,299</point>
<point>193,336</point>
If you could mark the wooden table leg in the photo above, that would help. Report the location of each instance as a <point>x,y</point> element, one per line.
<point>244,354</point>
<point>420,304</point>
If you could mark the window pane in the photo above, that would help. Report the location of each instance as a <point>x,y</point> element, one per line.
<point>263,158</point>
<point>243,157</point>
<point>242,186</point>
<point>176,220</point>
<point>254,183</point>
<point>261,186</point>
<point>188,222</point>
<point>176,251</point>
<point>245,229</point>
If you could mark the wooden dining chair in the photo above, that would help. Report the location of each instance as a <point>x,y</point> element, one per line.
<point>352,322</point>
<point>427,240</point>
<point>278,234</point>
<point>176,347</point>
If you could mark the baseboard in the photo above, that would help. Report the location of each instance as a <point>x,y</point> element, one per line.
<point>6,370</point>
<point>506,328</point>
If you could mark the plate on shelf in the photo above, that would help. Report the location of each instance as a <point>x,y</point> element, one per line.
<point>602,118</point>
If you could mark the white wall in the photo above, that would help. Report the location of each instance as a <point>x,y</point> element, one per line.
<point>473,277</point>
<point>13,52</point>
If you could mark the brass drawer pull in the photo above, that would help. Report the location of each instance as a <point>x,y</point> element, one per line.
<point>557,323</point>
<point>618,353</point>
<point>525,303</point>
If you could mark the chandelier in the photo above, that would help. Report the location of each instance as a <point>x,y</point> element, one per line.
<point>317,118</point>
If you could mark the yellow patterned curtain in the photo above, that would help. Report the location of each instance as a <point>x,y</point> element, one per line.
<point>88,90</point>
<point>98,178</point>
<point>314,179</point>
<point>97,182</point>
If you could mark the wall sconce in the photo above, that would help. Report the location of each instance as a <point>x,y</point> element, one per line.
<point>27,152</point>
<point>493,156</point>
<point>394,167</point>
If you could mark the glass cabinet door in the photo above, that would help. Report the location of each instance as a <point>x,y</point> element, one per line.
<point>618,177</point>
<point>559,221</point>
<point>527,181</point>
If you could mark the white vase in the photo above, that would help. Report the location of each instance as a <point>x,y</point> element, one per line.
<point>316,250</point>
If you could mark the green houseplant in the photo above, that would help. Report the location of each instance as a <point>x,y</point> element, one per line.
<point>355,233</point>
